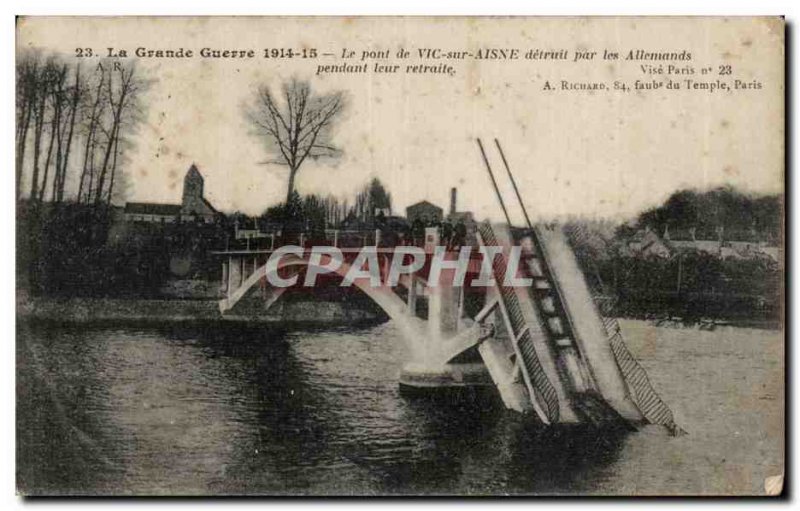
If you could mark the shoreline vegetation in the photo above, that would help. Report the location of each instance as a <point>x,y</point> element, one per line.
<point>294,313</point>
<point>143,311</point>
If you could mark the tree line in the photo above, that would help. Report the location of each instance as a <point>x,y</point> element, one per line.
<point>707,212</point>
<point>691,284</point>
<point>314,213</point>
<point>74,123</point>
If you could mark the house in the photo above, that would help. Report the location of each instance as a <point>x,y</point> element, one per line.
<point>193,206</point>
<point>742,244</point>
<point>647,243</point>
<point>687,240</point>
<point>424,211</point>
<point>151,212</point>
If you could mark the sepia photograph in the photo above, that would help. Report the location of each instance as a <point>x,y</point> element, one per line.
<point>400,256</point>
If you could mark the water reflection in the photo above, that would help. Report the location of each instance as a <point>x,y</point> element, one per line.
<point>235,410</point>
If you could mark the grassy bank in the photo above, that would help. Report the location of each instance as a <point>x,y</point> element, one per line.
<point>141,310</point>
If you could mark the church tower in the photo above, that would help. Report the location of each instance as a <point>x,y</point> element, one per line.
<point>192,188</point>
<point>194,205</point>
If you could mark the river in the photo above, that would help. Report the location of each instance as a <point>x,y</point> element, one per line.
<point>192,410</point>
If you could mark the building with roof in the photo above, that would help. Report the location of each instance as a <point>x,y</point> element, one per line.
<point>193,206</point>
<point>647,243</point>
<point>721,244</point>
<point>424,211</point>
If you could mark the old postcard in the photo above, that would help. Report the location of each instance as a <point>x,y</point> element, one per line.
<point>400,256</point>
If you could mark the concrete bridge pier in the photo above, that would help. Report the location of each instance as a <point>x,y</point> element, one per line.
<point>430,372</point>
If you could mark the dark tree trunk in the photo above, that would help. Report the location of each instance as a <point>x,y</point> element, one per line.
<point>75,100</point>
<point>98,195</point>
<point>113,169</point>
<point>22,136</point>
<point>89,148</point>
<point>124,84</point>
<point>290,187</point>
<point>88,151</point>
<point>46,169</point>
<point>91,171</point>
<point>58,178</point>
<point>37,142</point>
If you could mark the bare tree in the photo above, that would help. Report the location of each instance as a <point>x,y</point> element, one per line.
<point>110,108</point>
<point>62,156</point>
<point>123,95</point>
<point>114,158</point>
<point>27,77</point>
<point>42,85</point>
<point>57,103</point>
<point>70,111</point>
<point>95,113</point>
<point>297,126</point>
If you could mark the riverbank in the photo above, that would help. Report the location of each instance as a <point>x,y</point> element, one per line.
<point>143,310</point>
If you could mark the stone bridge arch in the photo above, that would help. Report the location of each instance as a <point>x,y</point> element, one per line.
<point>412,327</point>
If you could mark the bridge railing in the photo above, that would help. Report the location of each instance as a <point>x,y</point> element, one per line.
<point>342,238</point>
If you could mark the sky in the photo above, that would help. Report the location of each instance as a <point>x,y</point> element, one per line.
<point>600,155</point>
